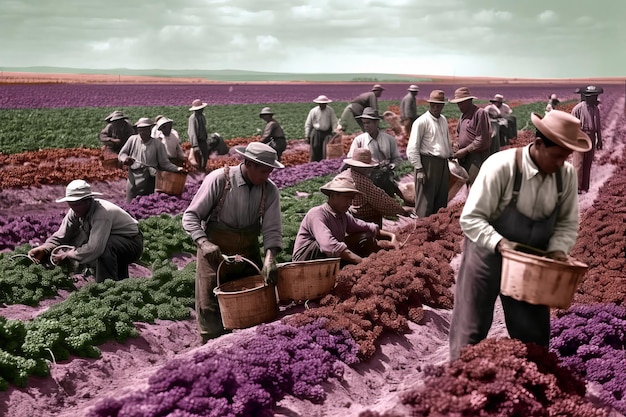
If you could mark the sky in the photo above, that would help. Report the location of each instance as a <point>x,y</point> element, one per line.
<point>505,38</point>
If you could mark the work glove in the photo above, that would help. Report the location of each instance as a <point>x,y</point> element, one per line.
<point>504,244</point>
<point>270,271</point>
<point>557,255</point>
<point>39,254</point>
<point>420,177</point>
<point>599,144</point>
<point>210,251</point>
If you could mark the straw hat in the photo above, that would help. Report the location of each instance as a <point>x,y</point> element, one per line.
<point>262,154</point>
<point>377,87</point>
<point>413,87</point>
<point>563,129</point>
<point>322,99</point>
<point>592,90</point>
<point>369,113</point>
<point>163,120</point>
<point>498,98</point>
<point>437,96</point>
<point>361,158</point>
<point>144,122</point>
<point>461,94</point>
<point>77,190</point>
<point>197,104</point>
<point>116,115</point>
<point>266,110</point>
<point>340,184</point>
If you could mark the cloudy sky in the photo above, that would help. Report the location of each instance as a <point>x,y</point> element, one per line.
<point>508,38</point>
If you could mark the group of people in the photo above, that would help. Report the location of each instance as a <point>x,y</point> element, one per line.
<point>526,195</point>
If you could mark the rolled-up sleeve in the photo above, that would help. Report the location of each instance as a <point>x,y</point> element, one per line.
<point>202,203</point>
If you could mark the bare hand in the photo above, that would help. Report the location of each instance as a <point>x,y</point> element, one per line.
<point>38,254</point>
<point>210,251</point>
<point>270,271</point>
<point>59,257</point>
<point>504,244</point>
<point>558,256</point>
<point>420,177</point>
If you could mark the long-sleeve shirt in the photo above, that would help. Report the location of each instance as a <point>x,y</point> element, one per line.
<point>240,209</point>
<point>384,147</point>
<point>373,201</point>
<point>89,235</point>
<point>492,191</point>
<point>494,111</point>
<point>196,129</point>
<point>272,130</point>
<point>172,144</point>
<point>408,107</point>
<point>319,119</point>
<point>589,118</point>
<point>362,101</point>
<point>151,153</point>
<point>429,136</point>
<point>474,130</point>
<point>329,229</point>
<point>119,129</point>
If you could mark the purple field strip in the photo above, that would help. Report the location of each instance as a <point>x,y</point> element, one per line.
<point>40,96</point>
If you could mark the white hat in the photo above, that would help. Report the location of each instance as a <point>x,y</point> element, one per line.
<point>322,99</point>
<point>197,104</point>
<point>162,121</point>
<point>77,190</point>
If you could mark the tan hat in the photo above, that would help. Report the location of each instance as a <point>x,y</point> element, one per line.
<point>266,110</point>
<point>437,96</point>
<point>563,129</point>
<point>261,153</point>
<point>461,94</point>
<point>144,122</point>
<point>413,87</point>
<point>116,115</point>
<point>77,190</point>
<point>163,120</point>
<point>498,98</point>
<point>197,104</point>
<point>322,99</point>
<point>362,158</point>
<point>340,184</point>
<point>369,113</point>
<point>377,87</point>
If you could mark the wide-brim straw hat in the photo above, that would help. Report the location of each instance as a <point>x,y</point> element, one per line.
<point>266,110</point>
<point>437,96</point>
<point>369,113</point>
<point>461,94</point>
<point>116,115</point>
<point>340,184</point>
<point>592,90</point>
<point>261,153</point>
<point>498,98</point>
<point>144,122</point>
<point>322,100</point>
<point>162,121</point>
<point>563,129</point>
<point>377,87</point>
<point>361,158</point>
<point>197,104</point>
<point>77,190</point>
<point>413,87</point>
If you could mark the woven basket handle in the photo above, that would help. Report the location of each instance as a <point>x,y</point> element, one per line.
<point>232,259</point>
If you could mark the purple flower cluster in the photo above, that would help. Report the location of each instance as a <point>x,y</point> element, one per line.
<point>33,229</point>
<point>246,379</point>
<point>591,340</point>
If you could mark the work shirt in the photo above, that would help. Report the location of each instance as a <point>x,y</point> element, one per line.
<point>408,107</point>
<point>373,201</point>
<point>493,190</point>
<point>495,111</point>
<point>384,147</point>
<point>240,209</point>
<point>272,130</point>
<point>589,118</point>
<point>172,144</point>
<point>474,130</point>
<point>429,136</point>
<point>119,129</point>
<point>319,119</point>
<point>151,154</point>
<point>90,234</point>
<point>329,229</point>
<point>196,129</point>
<point>362,101</point>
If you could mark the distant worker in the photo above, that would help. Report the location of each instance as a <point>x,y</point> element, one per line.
<point>319,126</point>
<point>589,115</point>
<point>504,123</point>
<point>273,134</point>
<point>355,109</point>
<point>170,138</point>
<point>408,109</point>
<point>553,103</point>
<point>116,132</point>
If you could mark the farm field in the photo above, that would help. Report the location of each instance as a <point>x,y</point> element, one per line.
<point>376,346</point>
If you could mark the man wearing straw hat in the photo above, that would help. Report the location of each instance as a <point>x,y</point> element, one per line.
<point>319,127</point>
<point>428,150</point>
<point>201,146</point>
<point>116,132</point>
<point>94,231</point>
<point>589,114</point>
<point>355,109</point>
<point>144,156</point>
<point>273,134</point>
<point>231,208</point>
<point>503,122</point>
<point>170,138</point>
<point>408,109</point>
<point>525,195</point>
<point>329,231</point>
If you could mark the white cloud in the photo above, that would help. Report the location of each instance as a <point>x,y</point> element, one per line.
<point>547,16</point>
<point>239,40</point>
<point>307,12</point>
<point>237,16</point>
<point>267,42</point>
<point>492,16</point>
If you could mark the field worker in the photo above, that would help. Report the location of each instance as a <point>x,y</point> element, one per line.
<point>144,156</point>
<point>589,115</point>
<point>358,105</point>
<point>371,203</point>
<point>319,126</point>
<point>155,128</point>
<point>231,208</point>
<point>474,133</point>
<point>525,195</point>
<point>99,233</point>
<point>170,138</point>
<point>197,132</point>
<point>553,103</point>
<point>116,132</point>
<point>408,109</point>
<point>273,134</point>
<point>329,231</point>
<point>428,150</point>
<point>504,123</point>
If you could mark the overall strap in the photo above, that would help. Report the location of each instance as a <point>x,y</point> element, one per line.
<point>262,206</point>
<point>518,175</point>
<point>227,187</point>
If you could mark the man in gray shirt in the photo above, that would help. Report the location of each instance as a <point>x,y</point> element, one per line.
<point>408,109</point>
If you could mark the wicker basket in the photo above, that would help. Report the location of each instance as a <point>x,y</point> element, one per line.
<point>334,147</point>
<point>536,279</point>
<point>247,301</point>
<point>306,280</point>
<point>170,182</point>
<point>458,178</point>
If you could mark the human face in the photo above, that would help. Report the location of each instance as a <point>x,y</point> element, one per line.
<point>435,109</point>
<point>257,174</point>
<point>548,159</point>
<point>370,126</point>
<point>144,133</point>
<point>166,129</point>
<point>378,93</point>
<point>80,207</point>
<point>465,105</point>
<point>340,202</point>
<point>592,99</point>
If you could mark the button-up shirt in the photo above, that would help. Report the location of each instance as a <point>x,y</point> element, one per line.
<point>319,119</point>
<point>589,118</point>
<point>408,107</point>
<point>384,147</point>
<point>429,136</point>
<point>493,190</point>
<point>272,130</point>
<point>474,130</point>
<point>172,144</point>
<point>151,154</point>
<point>196,129</point>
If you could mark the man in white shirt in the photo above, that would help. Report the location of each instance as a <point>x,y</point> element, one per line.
<point>525,195</point>
<point>503,123</point>
<point>428,150</point>
<point>170,138</point>
<point>319,127</point>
